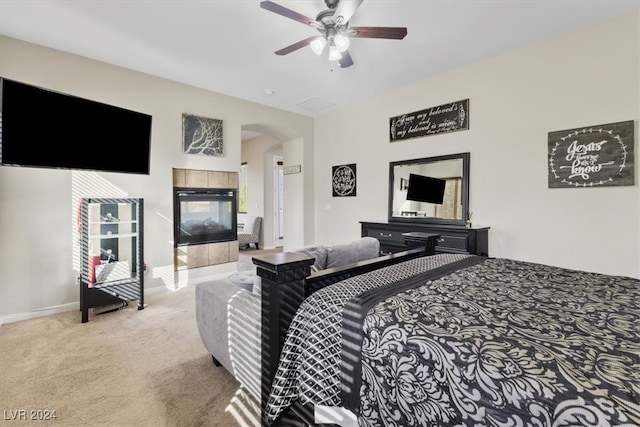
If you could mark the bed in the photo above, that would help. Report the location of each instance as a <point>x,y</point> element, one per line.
<point>450,339</point>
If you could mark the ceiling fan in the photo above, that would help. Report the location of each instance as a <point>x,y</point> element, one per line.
<point>333,25</point>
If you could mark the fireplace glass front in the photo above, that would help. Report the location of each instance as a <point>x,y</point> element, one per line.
<point>204,215</point>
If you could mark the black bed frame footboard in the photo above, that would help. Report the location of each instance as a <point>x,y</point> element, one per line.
<point>286,282</point>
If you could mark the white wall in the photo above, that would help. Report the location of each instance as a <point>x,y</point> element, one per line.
<point>294,224</point>
<point>587,77</point>
<point>269,193</point>
<point>259,181</point>
<point>38,247</point>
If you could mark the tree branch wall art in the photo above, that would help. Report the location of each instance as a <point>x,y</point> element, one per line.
<point>202,136</point>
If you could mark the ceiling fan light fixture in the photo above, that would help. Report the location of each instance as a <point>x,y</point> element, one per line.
<point>334,53</point>
<point>341,42</point>
<point>333,25</point>
<point>317,45</point>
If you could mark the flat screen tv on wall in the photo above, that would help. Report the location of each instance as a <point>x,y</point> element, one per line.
<point>46,129</point>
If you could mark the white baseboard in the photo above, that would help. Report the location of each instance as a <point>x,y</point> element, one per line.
<point>47,311</point>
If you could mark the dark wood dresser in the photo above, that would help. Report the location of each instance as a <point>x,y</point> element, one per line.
<point>454,238</point>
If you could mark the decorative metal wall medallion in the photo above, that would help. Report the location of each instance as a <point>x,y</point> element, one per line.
<point>344,180</point>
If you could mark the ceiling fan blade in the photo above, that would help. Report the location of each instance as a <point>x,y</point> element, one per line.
<point>295,46</point>
<point>288,13</point>
<point>346,60</point>
<point>396,33</point>
<point>345,10</point>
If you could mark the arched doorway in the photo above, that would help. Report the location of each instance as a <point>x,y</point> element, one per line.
<point>266,151</point>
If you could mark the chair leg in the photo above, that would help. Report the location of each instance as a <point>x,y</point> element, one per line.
<point>257,245</point>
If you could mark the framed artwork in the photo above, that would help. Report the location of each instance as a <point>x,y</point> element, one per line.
<point>592,156</point>
<point>202,136</point>
<point>343,180</point>
<point>290,170</point>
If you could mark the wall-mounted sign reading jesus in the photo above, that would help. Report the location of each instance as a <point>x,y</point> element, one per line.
<point>592,156</point>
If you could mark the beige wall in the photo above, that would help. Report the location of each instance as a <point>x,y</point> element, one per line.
<point>590,76</point>
<point>38,240</point>
<point>587,77</point>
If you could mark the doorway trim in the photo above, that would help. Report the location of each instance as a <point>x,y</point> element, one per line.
<point>278,201</point>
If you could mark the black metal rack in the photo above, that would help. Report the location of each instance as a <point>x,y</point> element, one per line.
<point>111,252</point>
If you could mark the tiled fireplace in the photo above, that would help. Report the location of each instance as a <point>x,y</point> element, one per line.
<point>204,215</point>
<point>205,218</point>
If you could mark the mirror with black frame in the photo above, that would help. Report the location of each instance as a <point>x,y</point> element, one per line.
<point>440,191</point>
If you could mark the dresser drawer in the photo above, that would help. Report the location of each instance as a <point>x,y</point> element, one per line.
<point>457,242</point>
<point>386,235</point>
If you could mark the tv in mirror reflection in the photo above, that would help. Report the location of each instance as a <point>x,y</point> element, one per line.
<point>425,189</point>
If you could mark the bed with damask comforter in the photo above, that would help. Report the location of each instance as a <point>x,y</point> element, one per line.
<point>465,340</point>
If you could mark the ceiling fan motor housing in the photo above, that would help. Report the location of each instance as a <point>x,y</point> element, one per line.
<point>328,26</point>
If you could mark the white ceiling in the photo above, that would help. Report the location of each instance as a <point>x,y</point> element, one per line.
<point>228,46</point>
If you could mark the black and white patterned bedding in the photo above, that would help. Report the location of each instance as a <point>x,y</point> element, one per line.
<point>502,343</point>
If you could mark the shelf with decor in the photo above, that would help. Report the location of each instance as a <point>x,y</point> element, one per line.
<point>111,253</point>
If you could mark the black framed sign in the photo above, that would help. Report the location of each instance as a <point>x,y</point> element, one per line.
<point>343,180</point>
<point>441,119</point>
<point>592,156</point>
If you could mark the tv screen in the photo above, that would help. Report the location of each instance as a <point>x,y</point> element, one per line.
<point>425,189</point>
<point>47,129</point>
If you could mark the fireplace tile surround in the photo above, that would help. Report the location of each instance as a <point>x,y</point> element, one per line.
<point>195,256</point>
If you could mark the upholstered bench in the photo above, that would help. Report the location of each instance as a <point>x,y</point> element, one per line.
<point>228,312</point>
<point>244,279</point>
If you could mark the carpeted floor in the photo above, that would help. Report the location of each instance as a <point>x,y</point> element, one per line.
<point>125,368</point>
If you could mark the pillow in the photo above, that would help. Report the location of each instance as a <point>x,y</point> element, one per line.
<point>317,252</point>
<point>354,251</point>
